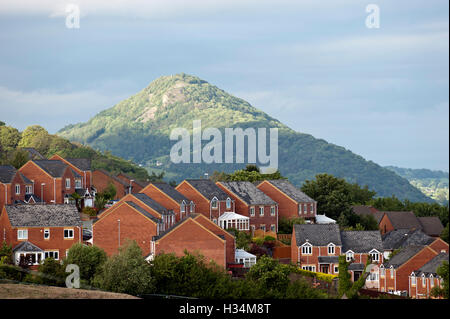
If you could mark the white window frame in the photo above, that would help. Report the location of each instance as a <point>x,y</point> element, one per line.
<point>77,183</point>
<point>22,234</point>
<point>431,281</point>
<point>67,183</point>
<point>183,207</point>
<point>312,208</point>
<point>252,211</point>
<point>17,189</point>
<point>47,231</point>
<point>228,203</point>
<point>69,230</point>
<point>392,273</point>
<point>305,209</point>
<point>214,203</point>
<point>336,269</point>
<point>261,209</point>
<point>28,189</point>
<point>273,228</point>
<point>424,281</point>
<point>349,256</point>
<point>307,249</point>
<point>51,252</point>
<point>272,211</point>
<point>309,268</point>
<point>192,207</point>
<point>300,209</point>
<point>331,249</point>
<point>262,227</point>
<point>413,280</point>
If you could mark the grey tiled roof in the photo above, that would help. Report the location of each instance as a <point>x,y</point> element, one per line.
<point>25,179</point>
<point>403,220</point>
<point>167,231</point>
<point>361,241</point>
<point>83,164</point>
<point>318,234</point>
<point>208,188</point>
<point>115,178</point>
<point>41,215</point>
<point>356,267</point>
<point>432,266</point>
<point>328,259</point>
<point>171,192</point>
<point>55,168</point>
<point>33,153</point>
<point>144,212</point>
<point>26,246</point>
<point>431,225</point>
<point>404,237</point>
<point>7,173</point>
<point>290,190</point>
<point>403,256</point>
<point>151,203</point>
<point>362,210</point>
<point>249,193</point>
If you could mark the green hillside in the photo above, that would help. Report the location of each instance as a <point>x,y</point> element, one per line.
<point>138,129</point>
<point>434,184</point>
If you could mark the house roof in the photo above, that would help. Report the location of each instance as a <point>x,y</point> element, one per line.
<point>144,212</point>
<point>7,173</point>
<point>403,256</point>
<point>248,192</point>
<point>41,215</point>
<point>328,259</point>
<point>317,234</point>
<point>241,254</point>
<point>140,183</point>
<point>36,198</point>
<point>322,219</point>
<point>361,241</point>
<point>33,153</point>
<point>83,164</point>
<point>208,188</point>
<point>26,246</point>
<point>430,268</point>
<point>404,237</point>
<point>403,220</point>
<point>362,210</point>
<point>55,168</point>
<point>167,231</point>
<point>290,190</point>
<point>431,225</point>
<point>170,191</point>
<point>113,177</point>
<point>151,203</point>
<point>356,267</point>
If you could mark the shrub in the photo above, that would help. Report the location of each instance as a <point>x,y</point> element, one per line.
<point>89,211</point>
<point>11,272</point>
<point>51,273</point>
<point>88,258</point>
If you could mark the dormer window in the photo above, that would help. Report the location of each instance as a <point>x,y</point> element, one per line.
<point>375,256</point>
<point>192,207</point>
<point>183,207</point>
<point>312,208</point>
<point>67,182</point>
<point>424,281</point>
<point>17,189</point>
<point>77,183</point>
<point>214,203</point>
<point>331,249</point>
<point>431,281</point>
<point>307,249</point>
<point>413,280</point>
<point>349,256</point>
<point>228,203</point>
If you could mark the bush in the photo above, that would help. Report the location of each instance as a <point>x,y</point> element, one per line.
<point>52,273</point>
<point>88,258</point>
<point>6,254</point>
<point>269,238</point>
<point>11,272</point>
<point>89,211</point>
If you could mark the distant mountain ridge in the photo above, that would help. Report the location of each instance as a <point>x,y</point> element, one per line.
<point>138,129</point>
<point>434,184</point>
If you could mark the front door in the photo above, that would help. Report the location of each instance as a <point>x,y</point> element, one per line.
<point>356,275</point>
<point>324,269</point>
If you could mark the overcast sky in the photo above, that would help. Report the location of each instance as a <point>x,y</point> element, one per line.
<point>314,65</point>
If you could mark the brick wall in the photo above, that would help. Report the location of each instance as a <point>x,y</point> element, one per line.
<point>100,181</point>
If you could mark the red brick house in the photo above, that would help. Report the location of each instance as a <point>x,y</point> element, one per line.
<point>423,280</point>
<point>292,202</point>
<point>54,181</point>
<point>316,247</point>
<point>196,234</point>
<point>364,210</point>
<point>40,231</point>
<point>133,184</point>
<point>357,246</point>
<point>210,200</point>
<point>170,198</point>
<point>391,221</point>
<point>14,186</point>
<point>101,180</point>
<point>253,203</point>
<point>80,165</point>
<point>135,217</point>
<point>394,274</point>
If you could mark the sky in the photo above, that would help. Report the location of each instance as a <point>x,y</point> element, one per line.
<point>314,65</point>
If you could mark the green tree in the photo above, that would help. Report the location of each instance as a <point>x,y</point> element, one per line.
<point>36,136</point>
<point>9,138</point>
<point>19,158</point>
<point>345,285</point>
<point>285,225</point>
<point>126,272</point>
<point>444,234</point>
<point>442,291</point>
<point>52,273</point>
<point>6,253</point>
<point>88,258</point>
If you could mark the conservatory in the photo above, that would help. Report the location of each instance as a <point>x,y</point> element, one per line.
<point>233,220</point>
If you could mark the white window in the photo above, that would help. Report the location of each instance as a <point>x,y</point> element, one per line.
<point>305,209</point>
<point>349,256</point>
<point>68,233</point>
<point>424,281</point>
<point>261,211</point>
<point>307,250</point>
<point>272,211</point>
<point>46,233</point>
<point>300,210</point>
<point>228,203</point>
<point>17,189</point>
<point>431,281</point>
<point>28,189</point>
<point>312,208</point>
<point>375,256</point>
<point>22,234</point>
<point>252,211</point>
<point>77,183</point>
<point>67,182</point>
<point>392,273</point>
<point>183,207</point>
<point>373,276</point>
<point>262,227</point>
<point>331,250</point>
<point>192,207</point>
<point>413,280</point>
<point>383,272</point>
<point>252,227</point>
<point>52,254</point>
<point>309,268</point>
<point>214,203</point>
<point>336,269</point>
<point>272,228</point>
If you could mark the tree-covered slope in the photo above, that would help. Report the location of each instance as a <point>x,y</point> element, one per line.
<point>138,129</point>
<point>434,184</point>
